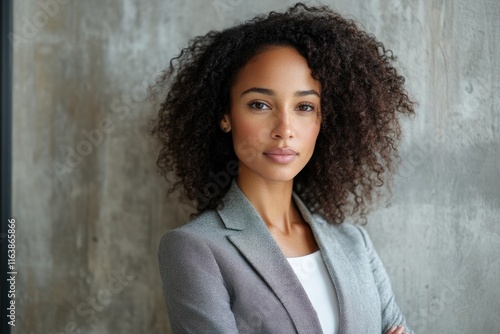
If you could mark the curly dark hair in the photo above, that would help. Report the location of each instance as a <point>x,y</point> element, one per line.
<point>361,100</point>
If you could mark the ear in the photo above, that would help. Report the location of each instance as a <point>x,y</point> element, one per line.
<point>225,123</point>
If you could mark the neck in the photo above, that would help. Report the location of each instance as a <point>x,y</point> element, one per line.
<point>273,202</point>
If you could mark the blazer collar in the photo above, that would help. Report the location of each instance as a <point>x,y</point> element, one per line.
<point>344,279</point>
<point>257,245</point>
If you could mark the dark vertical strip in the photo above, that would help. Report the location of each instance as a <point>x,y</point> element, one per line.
<point>5,147</point>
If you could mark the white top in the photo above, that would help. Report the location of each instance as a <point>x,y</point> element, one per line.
<point>312,273</point>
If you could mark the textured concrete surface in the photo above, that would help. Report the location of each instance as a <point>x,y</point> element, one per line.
<point>90,207</point>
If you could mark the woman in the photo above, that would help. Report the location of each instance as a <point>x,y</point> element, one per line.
<point>280,129</point>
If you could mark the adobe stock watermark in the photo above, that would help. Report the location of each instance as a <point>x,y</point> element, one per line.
<point>89,309</point>
<point>421,318</point>
<point>31,27</point>
<point>477,94</point>
<point>448,291</point>
<point>221,179</point>
<point>224,7</point>
<point>121,109</point>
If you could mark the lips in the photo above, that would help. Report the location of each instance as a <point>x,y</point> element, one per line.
<point>281,155</point>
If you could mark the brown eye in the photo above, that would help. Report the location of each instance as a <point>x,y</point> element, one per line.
<point>258,105</point>
<point>306,107</point>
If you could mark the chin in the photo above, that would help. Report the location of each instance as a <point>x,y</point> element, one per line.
<point>272,172</point>
<point>280,175</point>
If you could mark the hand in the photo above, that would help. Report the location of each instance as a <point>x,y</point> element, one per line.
<point>396,330</point>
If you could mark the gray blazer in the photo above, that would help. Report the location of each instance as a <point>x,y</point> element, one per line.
<point>224,273</point>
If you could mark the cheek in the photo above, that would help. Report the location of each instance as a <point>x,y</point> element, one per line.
<point>311,134</point>
<point>246,140</point>
<point>249,132</point>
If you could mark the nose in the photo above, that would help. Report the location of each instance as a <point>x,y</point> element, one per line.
<point>283,127</point>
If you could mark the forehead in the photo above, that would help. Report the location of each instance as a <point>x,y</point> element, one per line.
<point>277,67</point>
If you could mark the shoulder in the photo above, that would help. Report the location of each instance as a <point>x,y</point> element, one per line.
<point>206,221</point>
<point>203,229</point>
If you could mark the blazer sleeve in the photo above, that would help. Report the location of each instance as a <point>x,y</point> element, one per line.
<point>196,297</point>
<point>391,314</point>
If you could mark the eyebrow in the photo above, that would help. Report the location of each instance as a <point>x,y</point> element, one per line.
<point>271,92</point>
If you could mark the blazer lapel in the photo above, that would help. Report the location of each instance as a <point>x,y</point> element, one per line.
<point>340,270</point>
<point>257,245</point>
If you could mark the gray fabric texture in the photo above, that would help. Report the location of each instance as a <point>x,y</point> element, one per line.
<point>224,273</point>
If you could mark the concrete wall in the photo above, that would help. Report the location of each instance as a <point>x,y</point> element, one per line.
<point>90,207</point>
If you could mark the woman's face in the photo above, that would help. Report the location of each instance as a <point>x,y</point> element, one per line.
<point>274,115</point>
